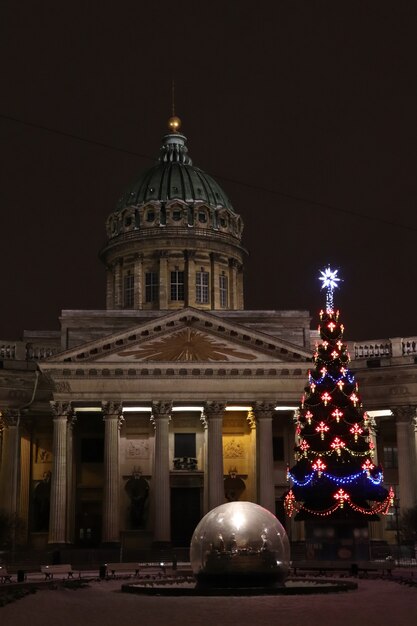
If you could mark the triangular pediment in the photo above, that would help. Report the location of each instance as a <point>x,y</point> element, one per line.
<point>189,335</point>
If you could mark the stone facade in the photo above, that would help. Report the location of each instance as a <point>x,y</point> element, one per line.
<point>132,422</point>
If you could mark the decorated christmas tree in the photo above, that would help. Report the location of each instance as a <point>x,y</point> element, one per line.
<point>336,486</point>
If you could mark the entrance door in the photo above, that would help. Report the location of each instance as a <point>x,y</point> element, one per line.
<point>185,514</point>
<point>89,522</point>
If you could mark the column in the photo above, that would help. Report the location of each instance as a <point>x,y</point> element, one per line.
<point>164,286</point>
<point>405,422</point>
<point>266,491</point>
<point>214,281</point>
<point>161,414</point>
<point>214,416</point>
<point>24,487</point>
<point>189,256</point>
<point>111,510</point>
<point>118,284</point>
<point>138,281</point>
<point>109,287</point>
<point>232,284</point>
<point>239,288</point>
<point>9,462</point>
<point>58,512</point>
<point>70,480</point>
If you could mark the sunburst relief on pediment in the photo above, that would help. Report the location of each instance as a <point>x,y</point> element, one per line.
<point>187,344</point>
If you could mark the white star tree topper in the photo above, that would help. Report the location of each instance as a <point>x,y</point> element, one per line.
<point>330,282</point>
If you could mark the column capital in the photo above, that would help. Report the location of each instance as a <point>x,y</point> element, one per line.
<point>111,407</point>
<point>214,409</point>
<point>161,409</point>
<point>263,410</point>
<point>10,417</point>
<point>61,409</point>
<point>405,414</point>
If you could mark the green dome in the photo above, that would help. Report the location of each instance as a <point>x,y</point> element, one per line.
<point>174,178</point>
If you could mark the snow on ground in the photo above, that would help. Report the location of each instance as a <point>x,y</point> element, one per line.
<point>376,602</point>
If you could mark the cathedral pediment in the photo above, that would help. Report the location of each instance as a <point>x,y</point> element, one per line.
<point>188,335</point>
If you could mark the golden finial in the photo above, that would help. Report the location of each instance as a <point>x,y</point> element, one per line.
<point>174,122</point>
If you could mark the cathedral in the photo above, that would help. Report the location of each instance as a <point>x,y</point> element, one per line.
<point>129,424</point>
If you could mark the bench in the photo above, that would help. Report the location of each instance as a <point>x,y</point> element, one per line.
<point>50,570</point>
<point>353,567</point>
<point>5,577</point>
<point>122,568</point>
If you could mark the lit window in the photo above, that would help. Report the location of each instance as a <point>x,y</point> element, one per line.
<point>390,457</point>
<point>128,290</point>
<point>177,285</point>
<point>151,286</point>
<point>223,290</point>
<point>202,287</point>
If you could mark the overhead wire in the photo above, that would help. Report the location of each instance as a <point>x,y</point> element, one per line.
<point>277,192</point>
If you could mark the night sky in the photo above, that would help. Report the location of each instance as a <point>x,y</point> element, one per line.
<point>305,112</point>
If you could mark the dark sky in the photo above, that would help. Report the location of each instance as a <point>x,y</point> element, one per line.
<point>290,105</point>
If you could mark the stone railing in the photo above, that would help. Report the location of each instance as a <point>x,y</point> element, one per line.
<point>409,345</point>
<point>23,351</point>
<point>370,349</point>
<point>377,348</point>
<point>7,350</point>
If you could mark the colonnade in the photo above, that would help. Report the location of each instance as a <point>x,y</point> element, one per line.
<point>62,483</point>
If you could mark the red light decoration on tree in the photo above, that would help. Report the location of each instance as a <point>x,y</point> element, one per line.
<point>289,502</point>
<point>356,430</point>
<point>354,399</point>
<point>337,414</point>
<point>304,446</point>
<point>341,496</point>
<point>319,467</point>
<point>368,466</point>
<point>309,416</point>
<point>337,444</point>
<point>326,397</point>
<point>322,428</point>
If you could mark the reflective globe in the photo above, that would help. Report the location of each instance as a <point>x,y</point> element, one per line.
<point>240,544</point>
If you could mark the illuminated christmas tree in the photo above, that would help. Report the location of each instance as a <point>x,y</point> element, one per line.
<point>336,487</point>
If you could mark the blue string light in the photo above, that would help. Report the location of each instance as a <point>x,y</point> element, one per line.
<point>350,378</point>
<point>347,480</point>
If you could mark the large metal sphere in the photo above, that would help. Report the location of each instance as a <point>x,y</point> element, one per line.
<point>240,544</point>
